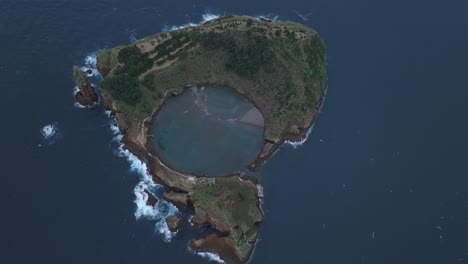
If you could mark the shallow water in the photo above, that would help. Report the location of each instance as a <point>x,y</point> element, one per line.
<point>208,131</point>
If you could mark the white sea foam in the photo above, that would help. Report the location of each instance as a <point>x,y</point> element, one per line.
<point>114,128</point>
<point>142,196</point>
<point>90,70</point>
<point>208,16</point>
<point>162,209</point>
<point>132,38</point>
<point>205,18</point>
<point>90,63</point>
<point>268,16</point>
<point>211,257</point>
<point>76,89</point>
<point>78,105</point>
<point>50,134</point>
<point>296,144</point>
<point>48,131</point>
<point>91,60</point>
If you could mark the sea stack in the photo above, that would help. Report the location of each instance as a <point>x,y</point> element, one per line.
<point>152,200</point>
<point>86,96</point>
<point>174,223</point>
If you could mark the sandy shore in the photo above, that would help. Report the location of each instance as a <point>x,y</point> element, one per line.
<point>253,117</point>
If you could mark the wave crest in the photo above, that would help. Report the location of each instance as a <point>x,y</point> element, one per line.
<point>50,133</point>
<point>205,18</point>
<point>162,208</point>
<point>211,257</point>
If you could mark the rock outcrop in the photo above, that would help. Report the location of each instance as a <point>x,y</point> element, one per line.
<point>86,96</point>
<point>225,247</point>
<point>178,199</point>
<point>174,223</point>
<point>152,200</point>
<point>230,205</point>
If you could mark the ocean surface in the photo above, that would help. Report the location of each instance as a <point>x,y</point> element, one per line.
<point>382,177</point>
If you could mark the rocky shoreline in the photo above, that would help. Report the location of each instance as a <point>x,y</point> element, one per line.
<point>86,95</point>
<point>228,204</point>
<point>137,138</point>
<point>270,146</point>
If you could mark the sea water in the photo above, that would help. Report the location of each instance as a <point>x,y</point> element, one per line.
<point>382,177</point>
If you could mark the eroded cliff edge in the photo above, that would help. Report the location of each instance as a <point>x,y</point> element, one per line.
<point>279,66</point>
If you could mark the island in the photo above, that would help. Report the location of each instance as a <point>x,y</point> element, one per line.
<point>279,66</point>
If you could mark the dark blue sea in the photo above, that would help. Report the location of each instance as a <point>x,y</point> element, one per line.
<point>382,178</point>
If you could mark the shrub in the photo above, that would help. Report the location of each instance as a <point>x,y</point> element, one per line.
<point>246,54</point>
<point>135,63</point>
<point>149,83</point>
<point>123,88</point>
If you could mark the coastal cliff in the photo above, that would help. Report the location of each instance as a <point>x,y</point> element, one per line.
<point>86,95</point>
<point>279,66</point>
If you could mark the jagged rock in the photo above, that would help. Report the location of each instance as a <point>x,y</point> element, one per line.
<point>199,220</point>
<point>224,246</point>
<point>104,71</point>
<point>86,95</point>
<point>152,200</point>
<point>178,199</point>
<point>174,223</point>
<point>220,226</point>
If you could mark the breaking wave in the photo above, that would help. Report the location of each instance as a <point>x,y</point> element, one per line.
<point>114,128</point>
<point>211,257</point>
<point>210,16</point>
<point>162,208</point>
<point>205,18</point>
<point>296,144</point>
<point>268,16</point>
<point>76,89</point>
<point>89,66</point>
<point>50,133</point>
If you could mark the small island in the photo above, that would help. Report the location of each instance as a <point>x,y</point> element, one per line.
<point>279,66</point>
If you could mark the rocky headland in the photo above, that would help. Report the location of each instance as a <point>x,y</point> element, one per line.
<point>86,94</point>
<point>279,66</point>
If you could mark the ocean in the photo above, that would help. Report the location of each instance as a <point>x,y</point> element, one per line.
<point>382,177</point>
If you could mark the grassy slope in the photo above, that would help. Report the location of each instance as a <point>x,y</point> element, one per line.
<point>280,66</point>
<point>234,202</point>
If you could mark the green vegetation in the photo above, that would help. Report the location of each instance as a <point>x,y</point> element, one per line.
<point>245,53</point>
<point>134,62</point>
<point>279,66</point>
<point>232,201</point>
<point>123,88</point>
<point>149,83</point>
